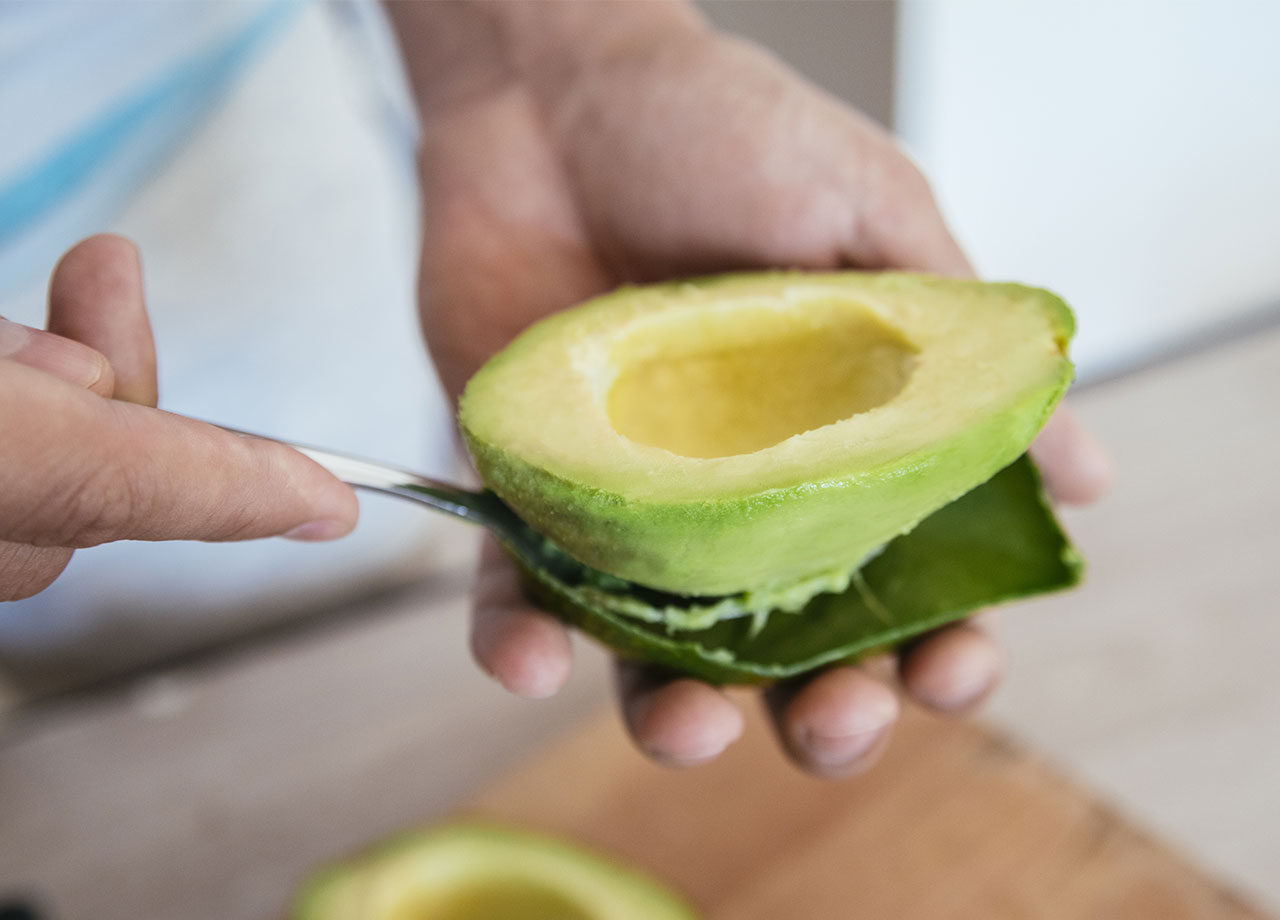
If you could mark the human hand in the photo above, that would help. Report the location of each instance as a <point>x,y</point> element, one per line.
<point>85,458</point>
<point>554,175</point>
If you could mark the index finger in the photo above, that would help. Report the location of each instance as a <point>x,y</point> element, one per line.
<point>78,470</point>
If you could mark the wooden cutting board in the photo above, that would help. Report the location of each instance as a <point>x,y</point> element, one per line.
<point>956,822</point>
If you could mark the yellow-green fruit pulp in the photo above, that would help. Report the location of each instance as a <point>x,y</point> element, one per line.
<point>485,872</point>
<point>748,431</point>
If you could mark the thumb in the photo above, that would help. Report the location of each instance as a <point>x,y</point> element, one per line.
<point>95,297</point>
<point>78,470</point>
<point>900,225</point>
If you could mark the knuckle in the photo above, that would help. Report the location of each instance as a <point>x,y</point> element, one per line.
<point>96,507</point>
<point>240,523</point>
<point>909,181</point>
<point>241,510</point>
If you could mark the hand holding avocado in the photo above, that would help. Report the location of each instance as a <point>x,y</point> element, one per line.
<point>585,154</point>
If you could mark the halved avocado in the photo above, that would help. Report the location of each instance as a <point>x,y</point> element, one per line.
<point>748,433</point>
<point>472,871</point>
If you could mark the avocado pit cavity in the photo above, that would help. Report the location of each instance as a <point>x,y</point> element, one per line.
<point>721,382</point>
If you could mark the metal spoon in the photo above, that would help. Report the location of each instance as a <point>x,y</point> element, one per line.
<point>554,578</point>
<point>483,507</point>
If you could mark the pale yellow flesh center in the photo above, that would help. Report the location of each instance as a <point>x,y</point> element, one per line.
<point>718,386</point>
<point>494,900</point>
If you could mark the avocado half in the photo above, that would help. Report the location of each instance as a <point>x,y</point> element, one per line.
<point>757,452</point>
<point>473,871</point>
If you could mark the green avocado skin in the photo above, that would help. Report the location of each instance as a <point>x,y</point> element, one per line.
<point>760,539</point>
<point>997,543</point>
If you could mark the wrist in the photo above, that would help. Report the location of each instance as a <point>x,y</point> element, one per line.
<point>555,44</point>
<point>457,52</point>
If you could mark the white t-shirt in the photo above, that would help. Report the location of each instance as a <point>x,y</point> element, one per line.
<point>262,159</point>
<point>96,97</point>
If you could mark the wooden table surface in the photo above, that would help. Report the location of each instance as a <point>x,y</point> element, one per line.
<point>956,822</point>
<point>211,789</point>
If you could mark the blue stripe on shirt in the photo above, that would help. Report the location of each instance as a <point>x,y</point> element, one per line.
<point>171,106</point>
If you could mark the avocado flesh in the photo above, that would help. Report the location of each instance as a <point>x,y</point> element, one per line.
<point>748,435</point>
<point>471,871</point>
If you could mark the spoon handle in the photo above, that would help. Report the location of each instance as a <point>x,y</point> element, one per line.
<point>476,507</point>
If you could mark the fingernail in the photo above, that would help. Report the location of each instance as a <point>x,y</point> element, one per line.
<point>540,685</point>
<point>834,751</point>
<point>701,745</point>
<point>965,688</point>
<point>68,360</point>
<point>316,531</point>
<point>697,756</point>
<point>664,759</point>
<point>13,338</point>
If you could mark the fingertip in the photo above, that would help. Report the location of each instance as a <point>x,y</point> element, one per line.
<point>952,670</point>
<point>836,724</point>
<point>524,649</point>
<point>266,488</point>
<point>331,507</point>
<point>682,723</point>
<point>1077,469</point>
<point>106,265</point>
<point>340,507</point>
<point>114,248</point>
<point>319,531</point>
